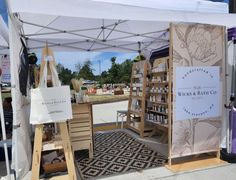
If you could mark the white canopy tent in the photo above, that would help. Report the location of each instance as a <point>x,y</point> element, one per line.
<point>85,25</point>
<point>4,38</point>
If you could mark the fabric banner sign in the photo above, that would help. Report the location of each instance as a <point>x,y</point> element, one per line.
<point>198,88</point>
<point>197,92</point>
<point>5,66</point>
<point>50,105</point>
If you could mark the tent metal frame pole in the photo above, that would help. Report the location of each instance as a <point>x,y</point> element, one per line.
<point>76,42</point>
<point>102,31</point>
<point>97,42</point>
<point>59,44</point>
<point>124,48</point>
<point>125,37</point>
<point>134,34</point>
<point>115,25</point>
<point>58,31</point>
<point>152,32</point>
<point>47,24</point>
<point>78,30</point>
<point>52,44</point>
<point>62,44</point>
<point>156,40</point>
<point>227,75</point>
<point>233,105</point>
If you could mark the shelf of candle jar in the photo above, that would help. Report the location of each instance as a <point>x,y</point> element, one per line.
<point>137,85</point>
<point>158,93</point>
<point>137,97</point>
<point>159,83</point>
<point>135,112</point>
<point>137,76</point>
<point>158,112</point>
<point>158,72</point>
<point>158,102</point>
<point>157,123</point>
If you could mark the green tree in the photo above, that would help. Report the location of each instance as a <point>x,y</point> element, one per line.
<point>86,71</point>
<point>104,77</point>
<point>126,70</point>
<point>65,74</point>
<point>114,73</point>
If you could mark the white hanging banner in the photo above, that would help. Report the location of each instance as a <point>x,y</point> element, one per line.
<point>49,105</point>
<point>5,66</point>
<point>197,92</point>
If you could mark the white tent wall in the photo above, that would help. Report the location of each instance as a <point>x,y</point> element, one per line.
<point>21,148</point>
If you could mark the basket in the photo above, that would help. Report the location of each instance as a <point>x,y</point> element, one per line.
<point>55,167</point>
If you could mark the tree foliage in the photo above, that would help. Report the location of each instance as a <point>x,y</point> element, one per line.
<point>117,73</point>
<point>65,74</point>
<point>86,71</point>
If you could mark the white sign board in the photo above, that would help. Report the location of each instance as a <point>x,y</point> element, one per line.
<point>50,105</point>
<point>5,66</point>
<point>197,92</point>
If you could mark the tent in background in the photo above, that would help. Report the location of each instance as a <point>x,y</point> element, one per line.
<point>85,25</point>
<point>4,38</point>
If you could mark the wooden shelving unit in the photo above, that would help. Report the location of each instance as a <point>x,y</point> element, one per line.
<point>137,100</point>
<point>159,97</point>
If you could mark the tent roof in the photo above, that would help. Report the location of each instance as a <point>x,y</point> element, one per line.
<point>129,26</point>
<point>4,40</point>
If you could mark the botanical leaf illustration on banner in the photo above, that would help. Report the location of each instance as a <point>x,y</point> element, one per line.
<point>197,45</point>
<point>199,41</point>
<point>185,138</point>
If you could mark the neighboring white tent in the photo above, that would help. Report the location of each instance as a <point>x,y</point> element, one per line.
<point>4,38</point>
<point>85,25</point>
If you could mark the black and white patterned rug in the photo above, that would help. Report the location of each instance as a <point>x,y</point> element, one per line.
<point>117,152</point>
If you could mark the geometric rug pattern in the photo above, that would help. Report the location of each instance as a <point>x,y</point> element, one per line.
<point>117,152</point>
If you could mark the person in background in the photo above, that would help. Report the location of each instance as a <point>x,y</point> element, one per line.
<point>8,115</point>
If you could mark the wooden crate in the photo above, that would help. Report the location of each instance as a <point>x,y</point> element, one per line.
<point>81,128</point>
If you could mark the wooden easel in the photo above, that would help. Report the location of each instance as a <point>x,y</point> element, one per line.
<point>63,133</point>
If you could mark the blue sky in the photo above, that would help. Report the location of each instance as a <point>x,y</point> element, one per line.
<point>69,59</point>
